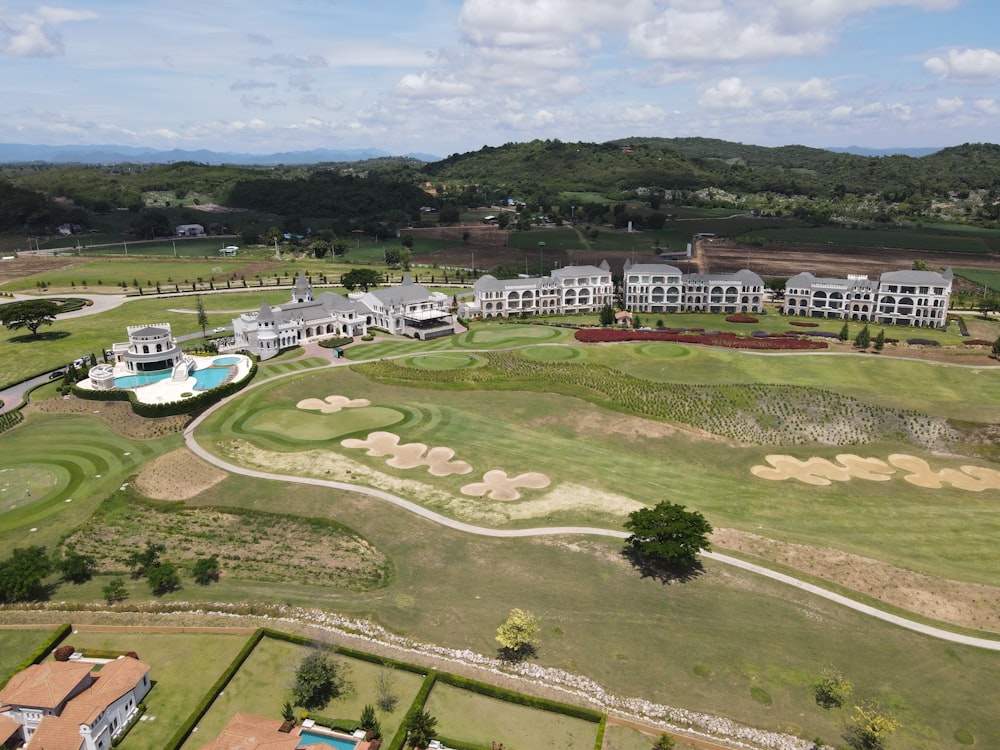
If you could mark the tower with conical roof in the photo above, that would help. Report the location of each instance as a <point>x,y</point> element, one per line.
<point>302,290</point>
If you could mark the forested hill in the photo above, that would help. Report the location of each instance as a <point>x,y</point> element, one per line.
<point>695,163</point>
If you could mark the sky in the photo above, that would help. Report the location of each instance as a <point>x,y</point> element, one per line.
<point>450,76</point>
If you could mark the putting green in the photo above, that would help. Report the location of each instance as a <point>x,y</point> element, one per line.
<point>511,334</point>
<point>663,351</point>
<point>25,484</point>
<point>443,361</point>
<point>294,425</point>
<point>552,353</point>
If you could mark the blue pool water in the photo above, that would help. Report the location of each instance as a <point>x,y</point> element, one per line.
<point>143,378</point>
<point>312,739</point>
<point>225,361</point>
<point>204,379</point>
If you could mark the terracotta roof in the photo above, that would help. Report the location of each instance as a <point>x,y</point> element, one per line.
<point>8,728</point>
<point>114,680</point>
<point>249,732</point>
<point>44,685</point>
<point>54,733</point>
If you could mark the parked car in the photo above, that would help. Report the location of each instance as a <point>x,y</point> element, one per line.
<point>56,374</point>
<point>220,329</point>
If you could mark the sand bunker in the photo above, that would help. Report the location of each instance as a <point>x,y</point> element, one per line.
<point>410,455</point>
<point>822,471</point>
<point>332,404</point>
<point>498,486</point>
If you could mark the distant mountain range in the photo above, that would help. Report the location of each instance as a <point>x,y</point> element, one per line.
<point>97,154</point>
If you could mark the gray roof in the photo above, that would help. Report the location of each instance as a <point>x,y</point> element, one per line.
<point>404,293</point>
<point>916,277</point>
<point>572,272</point>
<point>807,279</point>
<point>662,268</point>
<point>746,276</point>
<point>150,331</point>
<point>265,313</point>
<point>334,301</point>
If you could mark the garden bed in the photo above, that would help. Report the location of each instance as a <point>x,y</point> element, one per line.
<point>727,340</point>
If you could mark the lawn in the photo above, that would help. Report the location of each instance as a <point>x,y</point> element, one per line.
<point>18,645</point>
<point>261,686</point>
<point>183,668</point>
<point>933,237</point>
<point>104,275</point>
<point>470,717</point>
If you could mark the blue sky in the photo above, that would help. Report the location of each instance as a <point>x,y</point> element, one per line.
<point>447,76</point>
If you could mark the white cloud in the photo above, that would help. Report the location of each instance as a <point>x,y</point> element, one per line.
<point>895,111</point>
<point>949,106</point>
<point>967,64</point>
<point>815,90</point>
<point>729,93</point>
<point>432,86</point>
<point>774,96</point>
<point>545,23</point>
<point>35,35</point>
<point>988,106</point>
<point>56,16</point>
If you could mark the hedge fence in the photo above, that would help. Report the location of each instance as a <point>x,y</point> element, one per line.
<point>416,707</point>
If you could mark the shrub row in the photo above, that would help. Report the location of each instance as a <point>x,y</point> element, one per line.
<point>544,704</point>
<point>416,707</point>
<point>184,730</point>
<point>599,743</point>
<point>336,343</point>
<point>10,419</point>
<point>728,340</point>
<point>341,725</point>
<point>171,408</point>
<point>977,342</point>
<point>43,650</point>
<point>923,342</point>
<point>963,329</point>
<point>803,324</point>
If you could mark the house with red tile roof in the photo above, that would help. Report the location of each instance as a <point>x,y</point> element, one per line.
<point>74,705</point>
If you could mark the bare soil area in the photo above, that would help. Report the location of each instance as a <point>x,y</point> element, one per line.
<point>782,259</point>
<point>117,415</point>
<point>29,265</point>
<point>965,604</point>
<point>178,475</point>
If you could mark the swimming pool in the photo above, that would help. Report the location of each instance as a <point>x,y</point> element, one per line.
<point>142,378</point>
<point>209,377</point>
<point>314,739</point>
<point>225,361</point>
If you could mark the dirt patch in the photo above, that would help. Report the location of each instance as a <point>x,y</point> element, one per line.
<point>178,475</point>
<point>592,422</point>
<point>496,485</point>
<point>29,265</point>
<point>965,604</point>
<point>250,545</point>
<point>573,498</point>
<point>117,415</point>
<point>784,259</point>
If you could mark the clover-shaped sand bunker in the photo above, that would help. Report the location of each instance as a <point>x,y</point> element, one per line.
<point>498,486</point>
<point>410,455</point>
<point>822,471</point>
<point>332,404</point>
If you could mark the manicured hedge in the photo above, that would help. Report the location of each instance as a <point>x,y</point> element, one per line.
<point>713,338</point>
<point>184,730</point>
<point>977,342</point>
<point>599,743</point>
<point>39,654</point>
<point>171,408</point>
<point>10,419</point>
<point>418,705</point>
<point>494,691</point>
<point>336,343</point>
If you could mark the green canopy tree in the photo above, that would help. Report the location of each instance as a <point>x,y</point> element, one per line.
<point>880,341</point>
<point>863,339</point>
<point>667,535</point>
<point>318,680</point>
<point>30,314</point>
<point>360,277</point>
<point>870,726</point>
<point>517,635</point>
<point>22,573</point>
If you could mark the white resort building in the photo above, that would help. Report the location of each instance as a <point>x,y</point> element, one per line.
<point>573,289</point>
<point>408,309</point>
<point>69,705</point>
<point>661,288</point>
<point>907,298</point>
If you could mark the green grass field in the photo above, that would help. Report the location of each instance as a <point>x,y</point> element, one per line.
<point>183,668</point>
<point>937,238</point>
<point>466,716</point>
<point>17,646</point>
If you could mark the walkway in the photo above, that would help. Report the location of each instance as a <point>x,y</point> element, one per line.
<point>467,528</point>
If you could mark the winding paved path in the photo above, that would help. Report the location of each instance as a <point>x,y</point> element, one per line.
<point>421,511</point>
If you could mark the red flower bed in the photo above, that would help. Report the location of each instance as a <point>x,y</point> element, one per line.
<point>978,342</point>
<point>729,340</point>
<point>741,318</point>
<point>803,324</point>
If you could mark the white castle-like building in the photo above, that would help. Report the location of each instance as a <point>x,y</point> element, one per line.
<point>907,298</point>
<point>573,289</point>
<point>661,288</point>
<point>408,309</point>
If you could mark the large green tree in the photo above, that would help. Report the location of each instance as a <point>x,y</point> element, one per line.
<point>318,680</point>
<point>360,277</point>
<point>421,729</point>
<point>31,314</point>
<point>22,573</point>
<point>667,535</point>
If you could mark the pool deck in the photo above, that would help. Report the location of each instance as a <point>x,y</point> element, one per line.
<point>165,391</point>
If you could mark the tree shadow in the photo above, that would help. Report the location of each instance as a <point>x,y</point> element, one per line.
<point>44,336</point>
<point>664,572</point>
<point>514,655</point>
